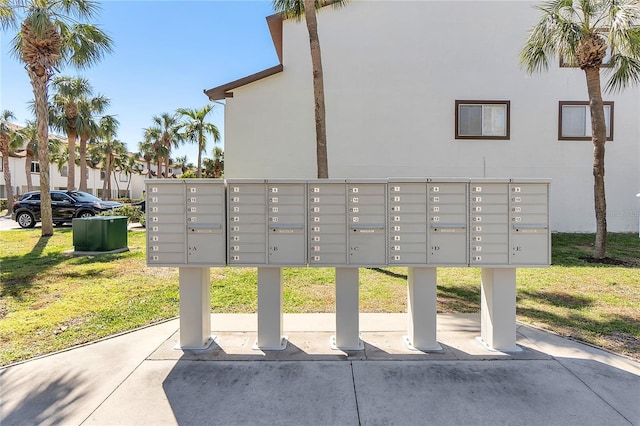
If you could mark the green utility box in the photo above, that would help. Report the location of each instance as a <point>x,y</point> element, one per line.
<point>100,233</point>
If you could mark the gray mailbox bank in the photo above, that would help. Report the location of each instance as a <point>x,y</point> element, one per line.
<point>421,223</point>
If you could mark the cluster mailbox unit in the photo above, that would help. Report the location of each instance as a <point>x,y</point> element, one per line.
<point>421,223</point>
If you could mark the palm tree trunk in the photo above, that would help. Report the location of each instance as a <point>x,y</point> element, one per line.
<point>599,137</point>
<point>200,143</point>
<point>83,164</point>
<point>71,163</point>
<point>7,175</point>
<point>318,89</point>
<point>39,84</point>
<point>27,170</point>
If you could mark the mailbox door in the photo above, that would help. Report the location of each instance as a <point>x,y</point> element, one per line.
<point>206,221</point>
<point>367,223</point>
<point>327,223</point>
<point>247,223</point>
<point>529,224</point>
<point>489,217</point>
<point>407,223</point>
<point>166,223</point>
<point>447,217</point>
<point>287,223</point>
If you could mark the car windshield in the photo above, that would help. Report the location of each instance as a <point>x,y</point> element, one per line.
<point>83,196</point>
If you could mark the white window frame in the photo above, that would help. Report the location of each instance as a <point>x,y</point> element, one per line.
<point>485,133</point>
<point>586,136</point>
<point>35,167</point>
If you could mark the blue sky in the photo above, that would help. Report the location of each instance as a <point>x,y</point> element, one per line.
<point>165,54</point>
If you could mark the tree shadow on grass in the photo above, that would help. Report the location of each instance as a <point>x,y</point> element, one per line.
<point>18,273</point>
<point>619,331</point>
<point>458,299</point>
<point>560,299</point>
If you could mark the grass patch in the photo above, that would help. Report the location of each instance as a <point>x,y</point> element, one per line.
<point>51,300</point>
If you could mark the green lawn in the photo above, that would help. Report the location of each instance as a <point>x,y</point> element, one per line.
<point>51,300</point>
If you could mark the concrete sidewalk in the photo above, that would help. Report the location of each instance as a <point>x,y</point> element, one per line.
<point>140,379</point>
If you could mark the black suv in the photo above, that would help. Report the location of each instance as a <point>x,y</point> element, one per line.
<point>65,205</point>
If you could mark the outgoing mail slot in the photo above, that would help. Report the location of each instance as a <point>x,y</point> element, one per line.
<point>449,228</point>
<point>367,229</point>
<point>530,229</point>
<point>286,229</point>
<point>204,228</point>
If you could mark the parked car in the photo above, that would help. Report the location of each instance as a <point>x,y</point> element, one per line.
<point>65,205</point>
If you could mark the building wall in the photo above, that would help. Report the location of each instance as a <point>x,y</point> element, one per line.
<point>393,71</point>
<point>57,181</point>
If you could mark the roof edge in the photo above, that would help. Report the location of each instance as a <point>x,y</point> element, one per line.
<point>224,91</point>
<point>221,92</point>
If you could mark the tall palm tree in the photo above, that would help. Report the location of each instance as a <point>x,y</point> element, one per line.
<point>145,150</point>
<point>129,165</point>
<point>51,35</point>
<point>70,91</point>
<point>8,144</point>
<point>29,137</point>
<point>181,163</point>
<point>153,136</point>
<point>109,148</point>
<point>218,162</point>
<point>88,127</point>
<point>581,32</point>
<point>296,9</point>
<point>168,127</point>
<point>195,129</point>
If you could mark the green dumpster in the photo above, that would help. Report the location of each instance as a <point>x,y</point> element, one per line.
<point>100,233</point>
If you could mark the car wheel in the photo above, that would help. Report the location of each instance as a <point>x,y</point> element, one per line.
<point>25,220</point>
<point>85,213</point>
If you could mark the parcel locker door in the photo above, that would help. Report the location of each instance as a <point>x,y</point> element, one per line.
<point>327,222</point>
<point>206,221</point>
<point>447,217</point>
<point>247,222</point>
<point>407,222</point>
<point>287,223</point>
<point>367,223</point>
<point>529,224</point>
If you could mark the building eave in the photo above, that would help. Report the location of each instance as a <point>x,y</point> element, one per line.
<point>225,91</point>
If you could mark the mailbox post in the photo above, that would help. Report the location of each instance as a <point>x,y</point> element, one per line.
<point>424,223</point>
<point>186,229</point>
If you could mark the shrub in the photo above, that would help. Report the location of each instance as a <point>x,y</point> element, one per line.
<point>133,213</point>
<point>3,204</point>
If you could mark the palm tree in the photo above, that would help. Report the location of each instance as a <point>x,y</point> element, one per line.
<point>147,153</point>
<point>29,137</point>
<point>153,136</point>
<point>8,144</point>
<point>88,128</point>
<point>109,148</point>
<point>51,35</point>
<point>296,9</point>
<point>129,165</point>
<point>218,162</point>
<point>70,91</point>
<point>167,127</point>
<point>195,129</point>
<point>181,163</point>
<point>581,32</point>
